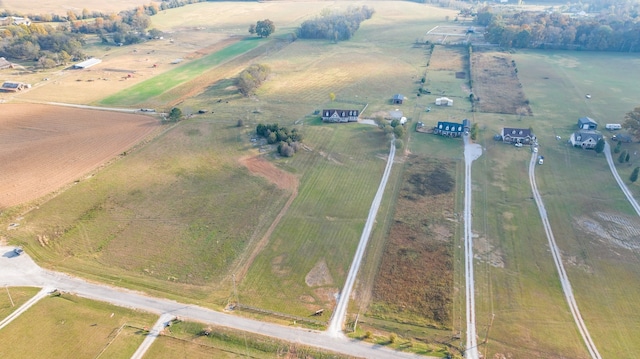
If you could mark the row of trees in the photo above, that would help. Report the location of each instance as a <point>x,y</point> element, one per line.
<point>288,140</point>
<point>251,78</point>
<point>335,26</point>
<point>530,29</point>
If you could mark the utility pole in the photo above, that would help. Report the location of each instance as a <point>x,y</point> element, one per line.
<point>11,299</point>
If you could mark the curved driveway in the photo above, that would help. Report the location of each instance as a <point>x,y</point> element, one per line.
<point>564,279</point>
<point>623,187</point>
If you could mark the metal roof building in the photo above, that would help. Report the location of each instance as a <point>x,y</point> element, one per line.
<point>87,63</point>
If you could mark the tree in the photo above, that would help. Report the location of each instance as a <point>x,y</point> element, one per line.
<point>240,123</point>
<point>395,123</point>
<point>175,114</point>
<point>474,131</point>
<point>265,28</point>
<point>398,131</point>
<point>599,146</point>
<point>618,147</point>
<point>622,156</point>
<point>252,29</point>
<point>627,157</point>
<point>332,96</point>
<point>632,122</point>
<point>634,175</point>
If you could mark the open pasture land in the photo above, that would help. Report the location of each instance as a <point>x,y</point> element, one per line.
<point>172,215</point>
<point>496,86</point>
<point>62,7</point>
<point>594,227</point>
<point>67,326</point>
<point>47,147</point>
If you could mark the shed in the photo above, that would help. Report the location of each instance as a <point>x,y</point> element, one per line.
<point>87,63</point>
<point>444,101</point>
<point>586,123</point>
<point>397,99</point>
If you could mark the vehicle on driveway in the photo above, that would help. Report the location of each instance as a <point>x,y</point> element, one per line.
<point>18,251</point>
<point>518,144</point>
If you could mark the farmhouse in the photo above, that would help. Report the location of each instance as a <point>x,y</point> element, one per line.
<point>11,86</point>
<point>517,135</point>
<point>449,129</point>
<point>4,64</point>
<point>87,63</point>
<point>397,99</point>
<point>340,116</point>
<point>586,123</point>
<point>586,139</point>
<point>444,101</point>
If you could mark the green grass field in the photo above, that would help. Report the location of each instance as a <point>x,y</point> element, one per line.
<point>68,326</point>
<point>12,298</point>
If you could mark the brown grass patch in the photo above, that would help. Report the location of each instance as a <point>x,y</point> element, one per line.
<point>319,275</point>
<point>415,280</point>
<point>47,147</point>
<point>447,59</point>
<point>496,85</point>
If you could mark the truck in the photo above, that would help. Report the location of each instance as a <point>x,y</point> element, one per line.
<point>613,126</point>
<point>622,137</point>
<point>540,160</point>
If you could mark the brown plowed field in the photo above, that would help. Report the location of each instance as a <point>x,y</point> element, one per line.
<point>45,147</point>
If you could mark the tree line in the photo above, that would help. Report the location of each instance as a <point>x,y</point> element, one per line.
<point>540,29</point>
<point>336,26</point>
<point>288,140</point>
<point>251,78</point>
<point>47,45</point>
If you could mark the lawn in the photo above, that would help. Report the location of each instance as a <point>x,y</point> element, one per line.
<point>14,297</point>
<point>69,326</point>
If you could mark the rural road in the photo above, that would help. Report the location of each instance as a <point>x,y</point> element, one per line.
<point>335,324</point>
<point>623,187</point>
<point>564,279</point>
<point>472,151</point>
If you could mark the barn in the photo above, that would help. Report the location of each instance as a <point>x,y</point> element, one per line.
<point>87,63</point>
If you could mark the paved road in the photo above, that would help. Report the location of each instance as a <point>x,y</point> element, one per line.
<point>162,323</point>
<point>623,187</point>
<point>337,320</point>
<point>471,152</point>
<point>564,279</point>
<point>22,271</point>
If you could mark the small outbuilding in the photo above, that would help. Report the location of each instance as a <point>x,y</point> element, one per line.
<point>444,101</point>
<point>397,99</point>
<point>87,63</point>
<point>10,86</point>
<point>586,123</point>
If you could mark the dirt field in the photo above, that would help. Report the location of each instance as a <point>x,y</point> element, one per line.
<point>496,84</point>
<point>46,147</point>
<point>61,7</point>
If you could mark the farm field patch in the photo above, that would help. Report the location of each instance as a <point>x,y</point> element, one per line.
<point>55,7</point>
<point>70,326</point>
<point>47,147</point>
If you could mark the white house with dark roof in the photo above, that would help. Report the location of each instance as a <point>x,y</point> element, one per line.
<point>340,116</point>
<point>517,135</point>
<point>586,139</point>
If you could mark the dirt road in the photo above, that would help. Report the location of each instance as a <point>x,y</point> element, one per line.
<point>623,187</point>
<point>471,152</point>
<point>564,279</point>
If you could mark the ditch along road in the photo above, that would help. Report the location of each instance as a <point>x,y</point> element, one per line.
<point>555,251</point>
<point>472,151</point>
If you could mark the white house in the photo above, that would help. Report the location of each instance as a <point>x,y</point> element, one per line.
<point>444,101</point>
<point>586,139</point>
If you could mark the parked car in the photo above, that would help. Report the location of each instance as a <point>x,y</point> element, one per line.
<point>518,144</point>
<point>18,251</point>
<point>535,150</point>
<point>622,138</point>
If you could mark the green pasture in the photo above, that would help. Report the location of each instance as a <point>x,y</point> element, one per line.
<point>157,85</point>
<point>577,188</point>
<point>67,326</point>
<point>12,298</point>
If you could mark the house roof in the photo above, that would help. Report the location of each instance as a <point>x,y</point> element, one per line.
<point>4,63</point>
<point>339,113</point>
<point>87,63</point>
<point>585,135</point>
<point>517,132</point>
<point>449,126</point>
<point>398,97</point>
<point>585,120</point>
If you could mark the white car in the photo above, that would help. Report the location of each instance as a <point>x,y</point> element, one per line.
<point>535,150</point>
<point>518,144</point>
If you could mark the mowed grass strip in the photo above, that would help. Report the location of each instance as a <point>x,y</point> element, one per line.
<point>183,73</point>
<point>67,326</point>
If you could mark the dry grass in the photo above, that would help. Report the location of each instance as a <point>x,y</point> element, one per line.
<point>447,59</point>
<point>496,84</point>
